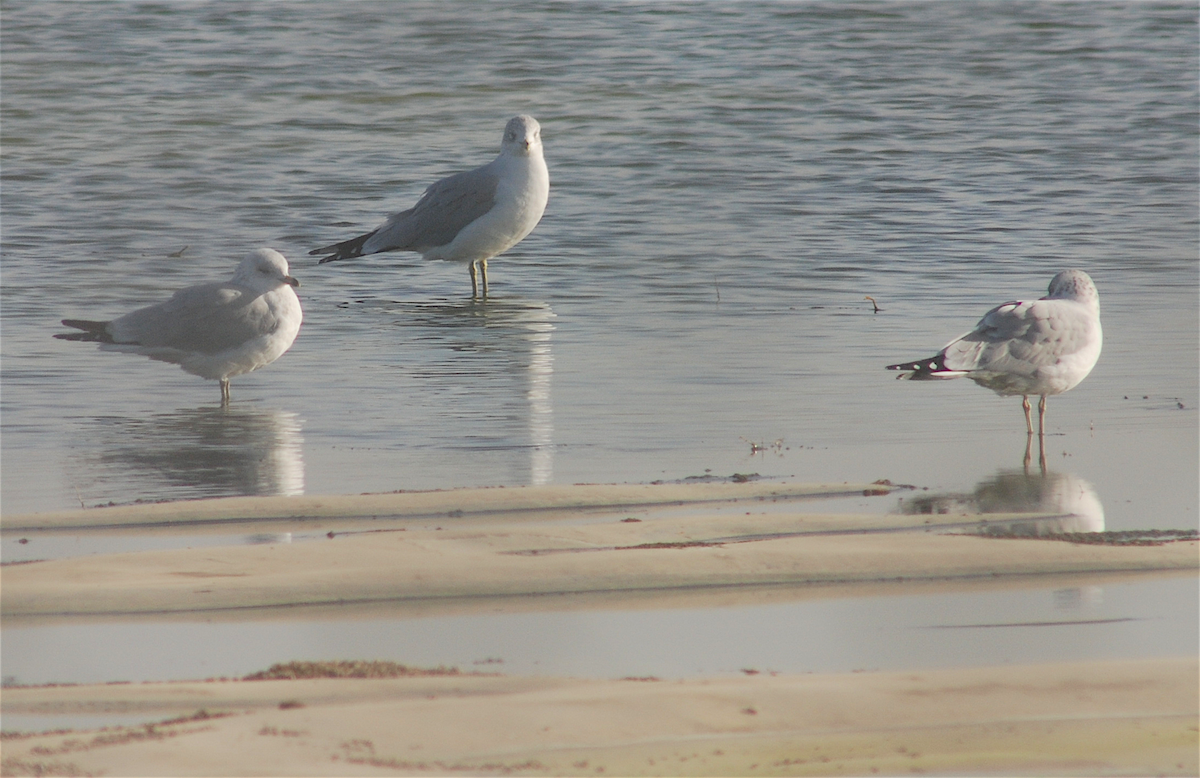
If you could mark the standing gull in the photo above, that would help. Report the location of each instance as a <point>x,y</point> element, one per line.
<point>215,330</point>
<point>1042,347</point>
<point>470,216</point>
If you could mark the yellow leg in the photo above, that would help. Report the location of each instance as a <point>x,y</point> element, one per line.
<point>224,391</point>
<point>474,285</point>
<point>483,272</point>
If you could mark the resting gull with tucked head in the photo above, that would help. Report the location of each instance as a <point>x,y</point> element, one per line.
<point>471,216</point>
<point>1043,347</point>
<point>215,330</point>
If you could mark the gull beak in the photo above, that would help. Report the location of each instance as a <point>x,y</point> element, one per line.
<point>291,281</point>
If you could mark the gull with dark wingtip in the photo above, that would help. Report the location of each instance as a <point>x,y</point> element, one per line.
<point>1041,347</point>
<point>471,216</point>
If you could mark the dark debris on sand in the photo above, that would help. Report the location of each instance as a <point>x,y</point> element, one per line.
<point>345,669</point>
<point>1141,537</point>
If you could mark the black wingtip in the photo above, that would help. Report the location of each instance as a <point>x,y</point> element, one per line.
<point>933,368</point>
<point>86,324</point>
<point>347,249</point>
<point>930,365</point>
<point>92,331</point>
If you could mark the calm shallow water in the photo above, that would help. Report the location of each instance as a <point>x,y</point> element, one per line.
<point>728,183</point>
<point>1151,618</point>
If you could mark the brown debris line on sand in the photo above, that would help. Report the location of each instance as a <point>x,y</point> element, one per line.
<point>280,512</point>
<point>1133,717</point>
<point>345,669</point>
<point>1141,537</point>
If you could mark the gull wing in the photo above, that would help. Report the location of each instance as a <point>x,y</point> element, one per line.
<point>1020,337</point>
<point>205,319</point>
<point>446,208</point>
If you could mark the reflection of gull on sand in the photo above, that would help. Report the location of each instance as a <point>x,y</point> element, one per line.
<point>1015,491</point>
<point>472,216</point>
<point>216,330</point>
<point>1042,347</point>
<point>213,451</point>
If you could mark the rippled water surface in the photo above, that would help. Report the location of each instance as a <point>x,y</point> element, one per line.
<point>728,183</point>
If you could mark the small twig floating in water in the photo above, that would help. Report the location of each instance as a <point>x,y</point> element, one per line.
<point>179,253</point>
<point>873,304</point>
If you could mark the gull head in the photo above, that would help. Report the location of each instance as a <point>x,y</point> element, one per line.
<point>264,269</point>
<point>522,136</point>
<point>1074,285</point>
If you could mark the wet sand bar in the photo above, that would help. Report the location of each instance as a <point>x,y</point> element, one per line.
<point>515,549</point>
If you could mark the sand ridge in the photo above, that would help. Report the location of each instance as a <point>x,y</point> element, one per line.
<point>507,561</point>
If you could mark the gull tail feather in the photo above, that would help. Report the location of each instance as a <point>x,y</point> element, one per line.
<point>93,331</point>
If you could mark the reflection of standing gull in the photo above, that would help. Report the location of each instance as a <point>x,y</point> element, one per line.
<point>210,451</point>
<point>1042,347</point>
<point>541,409</point>
<point>216,330</point>
<point>472,216</point>
<point>498,358</point>
<point>1015,491</point>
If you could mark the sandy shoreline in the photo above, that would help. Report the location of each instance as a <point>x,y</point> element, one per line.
<point>1094,718</point>
<point>509,550</point>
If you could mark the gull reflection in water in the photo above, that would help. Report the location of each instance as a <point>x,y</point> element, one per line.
<point>1072,499</point>
<point>541,411</point>
<point>499,349</point>
<point>1074,502</point>
<point>211,451</point>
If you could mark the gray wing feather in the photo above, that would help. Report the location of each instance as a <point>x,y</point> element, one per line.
<point>443,211</point>
<point>206,319</point>
<point>1018,338</point>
